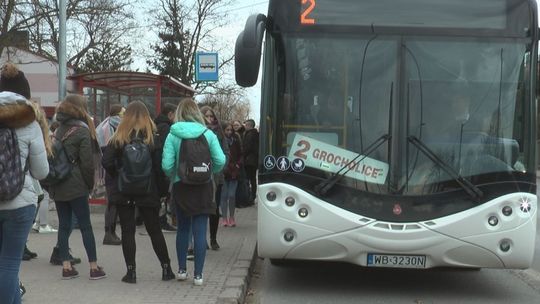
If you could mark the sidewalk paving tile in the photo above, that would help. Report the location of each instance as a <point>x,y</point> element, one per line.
<point>225,271</point>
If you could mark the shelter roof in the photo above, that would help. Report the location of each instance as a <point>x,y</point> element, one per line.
<point>133,83</point>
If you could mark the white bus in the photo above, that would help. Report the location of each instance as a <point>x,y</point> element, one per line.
<point>396,133</point>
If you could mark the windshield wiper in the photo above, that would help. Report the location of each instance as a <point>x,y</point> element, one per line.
<point>469,187</point>
<point>323,187</point>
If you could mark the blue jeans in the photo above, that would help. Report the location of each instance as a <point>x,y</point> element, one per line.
<point>78,206</point>
<point>198,223</point>
<point>14,228</point>
<point>228,198</point>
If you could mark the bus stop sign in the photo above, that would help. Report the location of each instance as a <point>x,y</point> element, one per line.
<point>206,67</point>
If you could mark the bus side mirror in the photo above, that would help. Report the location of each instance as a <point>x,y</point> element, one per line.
<point>247,51</point>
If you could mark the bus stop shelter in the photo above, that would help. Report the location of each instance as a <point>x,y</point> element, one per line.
<point>150,88</point>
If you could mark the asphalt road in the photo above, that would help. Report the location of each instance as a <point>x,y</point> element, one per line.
<point>313,283</point>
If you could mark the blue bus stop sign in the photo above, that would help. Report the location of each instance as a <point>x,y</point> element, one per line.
<point>206,67</point>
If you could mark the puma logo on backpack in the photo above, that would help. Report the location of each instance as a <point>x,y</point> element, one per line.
<point>135,175</point>
<point>195,164</point>
<point>11,171</point>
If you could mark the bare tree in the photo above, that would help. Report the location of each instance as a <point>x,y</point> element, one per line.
<point>229,102</point>
<point>92,24</point>
<point>185,29</point>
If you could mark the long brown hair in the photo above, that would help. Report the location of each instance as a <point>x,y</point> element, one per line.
<point>75,105</point>
<point>44,125</point>
<point>216,126</point>
<point>189,111</point>
<point>136,119</point>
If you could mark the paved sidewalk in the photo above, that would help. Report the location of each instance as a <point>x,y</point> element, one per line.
<point>225,271</point>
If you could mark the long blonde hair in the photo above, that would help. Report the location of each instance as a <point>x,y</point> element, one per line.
<point>136,119</point>
<point>189,111</point>
<point>44,125</point>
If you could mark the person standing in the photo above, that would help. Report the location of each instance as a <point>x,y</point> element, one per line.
<point>41,222</point>
<point>137,126</point>
<point>104,132</point>
<point>239,128</point>
<point>163,123</point>
<point>19,131</point>
<point>231,174</point>
<point>212,123</point>
<point>193,202</point>
<point>71,195</point>
<point>251,155</point>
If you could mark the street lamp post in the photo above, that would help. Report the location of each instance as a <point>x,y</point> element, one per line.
<point>62,61</point>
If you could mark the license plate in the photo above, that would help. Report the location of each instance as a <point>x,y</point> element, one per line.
<point>398,261</point>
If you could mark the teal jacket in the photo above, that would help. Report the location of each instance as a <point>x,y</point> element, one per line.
<point>171,149</point>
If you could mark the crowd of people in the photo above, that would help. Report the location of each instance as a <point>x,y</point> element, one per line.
<point>152,172</point>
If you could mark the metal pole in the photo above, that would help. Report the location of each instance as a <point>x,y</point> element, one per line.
<point>62,61</point>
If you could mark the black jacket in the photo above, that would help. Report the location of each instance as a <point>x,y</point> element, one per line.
<point>251,147</point>
<point>112,162</point>
<point>163,125</point>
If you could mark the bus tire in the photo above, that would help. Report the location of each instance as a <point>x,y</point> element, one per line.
<point>280,262</point>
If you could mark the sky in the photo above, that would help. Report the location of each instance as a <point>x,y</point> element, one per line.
<point>238,12</point>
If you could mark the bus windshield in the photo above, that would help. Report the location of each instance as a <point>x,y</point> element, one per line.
<point>464,100</point>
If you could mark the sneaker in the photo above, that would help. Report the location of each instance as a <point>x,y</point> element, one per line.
<point>198,280</point>
<point>190,254</point>
<point>181,275</point>
<point>22,289</point>
<point>68,274</point>
<point>166,227</point>
<point>232,222</point>
<point>214,245</point>
<point>35,227</point>
<point>46,229</point>
<point>223,222</point>
<point>98,273</point>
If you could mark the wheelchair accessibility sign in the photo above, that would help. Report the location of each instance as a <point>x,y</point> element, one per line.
<point>269,162</point>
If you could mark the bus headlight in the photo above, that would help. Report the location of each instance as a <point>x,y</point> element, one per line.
<point>271,196</point>
<point>505,245</point>
<point>289,201</point>
<point>507,210</point>
<point>303,212</point>
<point>493,220</point>
<point>288,236</point>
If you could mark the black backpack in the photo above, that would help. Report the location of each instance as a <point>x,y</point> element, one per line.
<point>135,174</point>
<point>195,162</point>
<point>11,170</point>
<point>60,163</point>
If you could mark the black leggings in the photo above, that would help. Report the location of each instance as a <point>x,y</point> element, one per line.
<point>213,219</point>
<point>251,174</point>
<point>150,217</point>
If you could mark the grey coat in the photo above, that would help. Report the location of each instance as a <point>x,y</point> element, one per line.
<point>32,148</point>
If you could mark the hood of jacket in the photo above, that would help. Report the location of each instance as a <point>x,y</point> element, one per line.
<point>67,111</point>
<point>63,118</point>
<point>162,119</point>
<point>15,110</point>
<point>184,129</point>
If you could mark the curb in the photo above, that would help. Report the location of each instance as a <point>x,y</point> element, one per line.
<point>237,281</point>
<point>529,276</point>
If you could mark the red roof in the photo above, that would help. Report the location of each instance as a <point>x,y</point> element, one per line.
<point>130,83</point>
